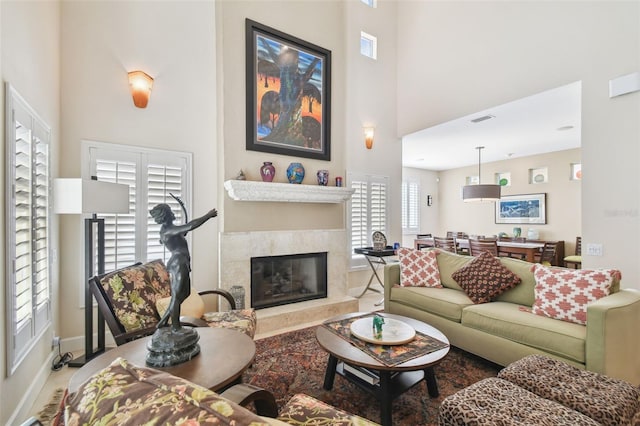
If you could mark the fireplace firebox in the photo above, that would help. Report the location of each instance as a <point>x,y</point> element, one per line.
<point>280,280</point>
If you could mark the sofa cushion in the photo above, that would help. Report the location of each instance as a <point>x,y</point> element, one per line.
<point>133,292</point>
<point>605,399</point>
<point>516,323</point>
<point>484,278</point>
<point>124,394</point>
<point>418,269</point>
<point>563,294</point>
<point>448,263</point>
<point>445,302</point>
<point>495,401</point>
<point>523,293</point>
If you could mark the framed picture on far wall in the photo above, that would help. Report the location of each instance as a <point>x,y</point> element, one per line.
<point>525,209</point>
<point>288,94</point>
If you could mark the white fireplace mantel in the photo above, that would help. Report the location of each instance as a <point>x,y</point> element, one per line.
<point>245,190</point>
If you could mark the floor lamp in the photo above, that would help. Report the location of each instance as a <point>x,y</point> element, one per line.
<point>83,196</point>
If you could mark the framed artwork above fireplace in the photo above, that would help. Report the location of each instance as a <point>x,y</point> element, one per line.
<point>288,94</point>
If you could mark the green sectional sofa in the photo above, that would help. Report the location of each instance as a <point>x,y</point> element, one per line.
<point>505,329</point>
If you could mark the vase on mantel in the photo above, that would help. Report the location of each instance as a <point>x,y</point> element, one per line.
<point>267,171</point>
<point>295,173</point>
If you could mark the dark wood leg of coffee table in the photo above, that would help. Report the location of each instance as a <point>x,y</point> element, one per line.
<point>330,374</point>
<point>432,383</point>
<point>386,398</point>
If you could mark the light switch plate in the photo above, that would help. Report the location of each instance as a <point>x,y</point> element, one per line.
<point>594,249</point>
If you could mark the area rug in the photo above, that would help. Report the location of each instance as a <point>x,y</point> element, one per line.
<point>48,414</point>
<point>293,362</point>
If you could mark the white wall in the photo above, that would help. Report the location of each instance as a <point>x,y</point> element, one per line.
<point>429,215</point>
<point>30,58</point>
<point>174,42</point>
<point>363,93</point>
<point>563,198</point>
<point>459,57</point>
<point>319,23</point>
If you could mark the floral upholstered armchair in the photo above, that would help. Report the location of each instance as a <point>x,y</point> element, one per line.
<point>125,394</point>
<point>132,300</point>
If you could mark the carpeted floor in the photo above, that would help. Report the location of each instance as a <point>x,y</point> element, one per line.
<point>293,362</point>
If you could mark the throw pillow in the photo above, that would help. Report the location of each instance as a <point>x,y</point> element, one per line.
<point>193,306</point>
<point>565,293</point>
<point>484,278</point>
<point>418,268</point>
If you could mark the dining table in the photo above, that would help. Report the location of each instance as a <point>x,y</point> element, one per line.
<point>526,249</point>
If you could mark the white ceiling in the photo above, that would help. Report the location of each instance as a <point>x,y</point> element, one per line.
<point>528,126</point>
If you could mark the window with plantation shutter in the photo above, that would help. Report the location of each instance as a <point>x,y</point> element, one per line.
<point>410,207</point>
<point>367,211</point>
<point>28,287</point>
<point>153,176</point>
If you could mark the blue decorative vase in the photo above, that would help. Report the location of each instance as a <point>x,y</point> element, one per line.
<point>295,173</point>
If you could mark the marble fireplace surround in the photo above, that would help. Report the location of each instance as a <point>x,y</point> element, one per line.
<point>237,249</point>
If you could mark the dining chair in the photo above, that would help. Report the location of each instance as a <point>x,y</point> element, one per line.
<point>548,253</point>
<point>576,259</point>
<point>446,244</point>
<point>478,246</point>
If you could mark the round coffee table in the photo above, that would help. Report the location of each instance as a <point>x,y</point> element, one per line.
<point>224,355</point>
<point>393,380</point>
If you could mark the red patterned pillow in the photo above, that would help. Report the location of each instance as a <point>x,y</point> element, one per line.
<point>418,269</point>
<point>484,278</point>
<point>565,293</point>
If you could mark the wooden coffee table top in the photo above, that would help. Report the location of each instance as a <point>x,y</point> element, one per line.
<point>224,355</point>
<point>345,351</point>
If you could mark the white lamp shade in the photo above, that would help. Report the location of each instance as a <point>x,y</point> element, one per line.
<point>79,196</point>
<point>480,193</point>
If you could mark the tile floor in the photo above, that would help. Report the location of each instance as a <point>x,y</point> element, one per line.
<point>59,379</point>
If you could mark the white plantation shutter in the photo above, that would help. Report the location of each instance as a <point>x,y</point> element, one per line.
<point>162,181</point>
<point>359,228</point>
<point>367,211</point>
<point>119,229</point>
<point>152,175</point>
<point>28,286</point>
<point>410,207</point>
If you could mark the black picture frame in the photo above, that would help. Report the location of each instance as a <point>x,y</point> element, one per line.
<point>292,119</point>
<point>522,209</point>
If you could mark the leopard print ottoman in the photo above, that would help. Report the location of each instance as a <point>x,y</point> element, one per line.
<point>607,400</point>
<point>495,401</point>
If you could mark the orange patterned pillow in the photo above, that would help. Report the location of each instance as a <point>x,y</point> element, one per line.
<point>564,294</point>
<point>418,269</point>
<point>484,278</point>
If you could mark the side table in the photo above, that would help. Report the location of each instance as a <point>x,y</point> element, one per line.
<point>224,355</point>
<point>375,258</point>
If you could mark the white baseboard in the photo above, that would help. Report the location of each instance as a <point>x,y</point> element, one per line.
<point>76,344</point>
<point>21,411</point>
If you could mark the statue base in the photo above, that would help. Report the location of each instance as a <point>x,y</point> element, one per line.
<point>168,347</point>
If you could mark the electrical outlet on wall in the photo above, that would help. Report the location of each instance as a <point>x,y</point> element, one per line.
<point>594,249</point>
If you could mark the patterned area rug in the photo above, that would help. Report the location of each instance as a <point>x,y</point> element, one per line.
<point>293,362</point>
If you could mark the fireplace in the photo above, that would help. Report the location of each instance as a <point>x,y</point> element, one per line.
<point>280,280</point>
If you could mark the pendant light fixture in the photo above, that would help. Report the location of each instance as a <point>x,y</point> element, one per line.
<point>480,192</point>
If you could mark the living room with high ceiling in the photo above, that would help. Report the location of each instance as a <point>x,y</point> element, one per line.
<point>436,62</point>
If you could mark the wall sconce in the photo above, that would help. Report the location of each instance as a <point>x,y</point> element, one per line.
<point>368,137</point>
<point>141,84</point>
<point>429,200</point>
